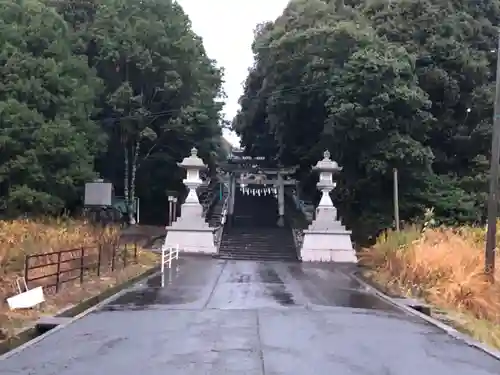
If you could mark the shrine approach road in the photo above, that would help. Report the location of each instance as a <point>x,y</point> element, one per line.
<point>256,318</point>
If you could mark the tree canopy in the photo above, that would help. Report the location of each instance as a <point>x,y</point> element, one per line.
<point>117,88</point>
<point>47,138</point>
<point>122,89</point>
<point>403,84</point>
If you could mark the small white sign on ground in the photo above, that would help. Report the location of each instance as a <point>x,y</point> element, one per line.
<point>26,299</point>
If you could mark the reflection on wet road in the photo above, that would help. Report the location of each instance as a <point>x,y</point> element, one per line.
<point>242,317</point>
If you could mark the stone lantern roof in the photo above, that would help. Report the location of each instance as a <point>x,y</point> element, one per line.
<point>193,161</point>
<point>327,165</point>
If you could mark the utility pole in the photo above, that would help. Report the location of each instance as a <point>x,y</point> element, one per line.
<point>489,256</point>
<point>396,198</point>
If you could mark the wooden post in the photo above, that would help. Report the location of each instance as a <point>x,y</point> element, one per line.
<point>396,198</point>
<point>125,251</point>
<point>174,209</point>
<point>113,256</point>
<point>489,251</point>
<point>58,272</point>
<point>26,269</point>
<point>82,263</point>
<point>99,255</point>
<point>170,204</point>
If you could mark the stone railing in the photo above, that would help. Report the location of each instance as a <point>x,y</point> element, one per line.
<point>220,229</point>
<point>298,225</point>
<point>306,208</point>
<point>209,198</point>
<point>298,239</point>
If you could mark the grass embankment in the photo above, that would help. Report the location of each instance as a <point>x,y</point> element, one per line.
<point>443,266</point>
<point>25,237</point>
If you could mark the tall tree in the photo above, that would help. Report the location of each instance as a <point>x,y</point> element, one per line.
<point>162,92</point>
<point>323,79</point>
<point>455,47</point>
<point>47,139</point>
<point>406,84</point>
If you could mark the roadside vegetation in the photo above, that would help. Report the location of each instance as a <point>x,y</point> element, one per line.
<point>445,267</point>
<point>19,238</point>
<point>113,89</point>
<point>406,84</point>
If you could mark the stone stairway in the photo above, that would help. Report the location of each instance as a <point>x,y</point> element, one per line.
<point>205,193</point>
<point>254,234</point>
<point>214,214</point>
<point>258,244</point>
<point>209,197</point>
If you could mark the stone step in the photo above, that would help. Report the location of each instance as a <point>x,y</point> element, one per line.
<point>239,238</point>
<point>254,234</point>
<point>257,250</point>
<point>288,255</point>
<point>258,258</point>
<point>253,226</point>
<point>260,231</point>
<point>257,247</point>
<point>244,239</point>
<point>272,242</point>
<point>259,243</point>
<point>262,236</point>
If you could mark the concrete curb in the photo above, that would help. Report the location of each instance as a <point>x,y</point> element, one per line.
<point>116,292</point>
<point>444,327</point>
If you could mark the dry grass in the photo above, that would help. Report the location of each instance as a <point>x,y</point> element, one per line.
<point>71,294</point>
<point>445,267</point>
<point>20,238</point>
<point>23,237</point>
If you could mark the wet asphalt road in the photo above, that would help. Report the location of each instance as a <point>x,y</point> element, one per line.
<point>249,318</point>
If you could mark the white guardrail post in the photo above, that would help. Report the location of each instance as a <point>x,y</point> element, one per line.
<point>168,254</point>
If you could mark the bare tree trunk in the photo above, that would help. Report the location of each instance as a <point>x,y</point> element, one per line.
<point>135,160</point>
<point>126,180</point>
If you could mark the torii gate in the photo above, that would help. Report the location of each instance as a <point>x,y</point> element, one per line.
<point>256,179</point>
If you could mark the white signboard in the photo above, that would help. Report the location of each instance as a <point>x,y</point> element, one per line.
<point>98,194</point>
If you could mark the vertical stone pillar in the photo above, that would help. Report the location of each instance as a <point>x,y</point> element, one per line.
<point>232,193</point>
<point>170,209</point>
<point>326,239</point>
<point>191,233</point>
<point>281,201</point>
<point>174,209</point>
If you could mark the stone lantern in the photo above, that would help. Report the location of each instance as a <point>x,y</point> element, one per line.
<point>326,239</point>
<point>190,232</point>
<point>193,165</point>
<point>326,168</point>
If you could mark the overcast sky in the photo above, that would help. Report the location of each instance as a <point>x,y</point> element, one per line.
<point>226,27</point>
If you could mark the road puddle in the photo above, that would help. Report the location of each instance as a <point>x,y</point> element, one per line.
<point>146,297</point>
<point>280,295</point>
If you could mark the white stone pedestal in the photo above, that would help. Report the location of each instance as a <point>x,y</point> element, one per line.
<point>328,247</point>
<point>191,241</point>
<point>326,239</point>
<point>190,232</point>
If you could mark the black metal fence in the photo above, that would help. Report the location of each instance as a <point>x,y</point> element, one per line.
<point>51,270</point>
